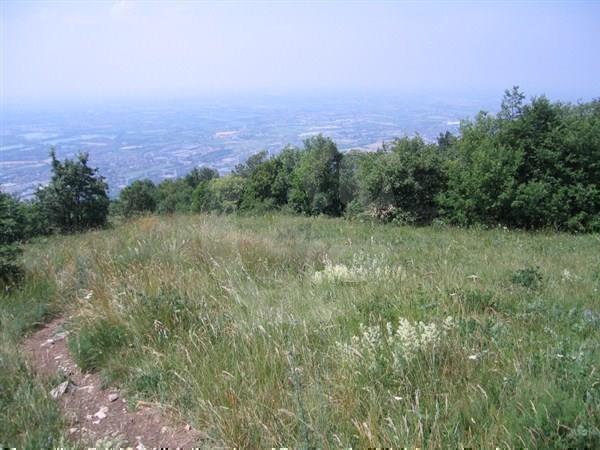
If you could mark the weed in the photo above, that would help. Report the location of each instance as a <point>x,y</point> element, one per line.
<point>529,277</point>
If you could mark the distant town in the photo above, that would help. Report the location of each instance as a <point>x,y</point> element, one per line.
<point>159,141</point>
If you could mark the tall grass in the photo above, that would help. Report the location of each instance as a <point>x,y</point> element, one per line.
<point>29,418</point>
<point>290,331</point>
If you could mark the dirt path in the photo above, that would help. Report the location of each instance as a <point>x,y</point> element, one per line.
<point>98,417</point>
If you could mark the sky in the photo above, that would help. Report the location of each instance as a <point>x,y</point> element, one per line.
<point>69,51</point>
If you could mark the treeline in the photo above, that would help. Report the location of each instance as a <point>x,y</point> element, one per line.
<point>533,165</point>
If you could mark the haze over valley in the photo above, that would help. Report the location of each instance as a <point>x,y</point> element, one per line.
<point>158,140</point>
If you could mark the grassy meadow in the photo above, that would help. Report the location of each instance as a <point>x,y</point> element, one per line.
<point>300,332</point>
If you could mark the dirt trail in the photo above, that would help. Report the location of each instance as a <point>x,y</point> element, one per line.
<point>99,417</point>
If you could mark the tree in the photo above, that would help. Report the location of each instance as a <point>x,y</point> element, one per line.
<point>138,197</point>
<point>481,176</point>
<point>512,104</point>
<point>199,175</point>
<point>221,194</point>
<point>76,198</point>
<point>11,232</point>
<point>349,176</point>
<point>244,170</point>
<point>405,177</point>
<point>534,165</point>
<point>315,182</point>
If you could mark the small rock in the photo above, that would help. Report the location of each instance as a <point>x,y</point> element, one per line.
<point>590,317</point>
<point>164,430</point>
<point>60,390</point>
<point>101,414</point>
<point>72,430</point>
<point>71,417</point>
<point>60,336</point>
<point>113,397</point>
<point>47,343</point>
<point>188,427</point>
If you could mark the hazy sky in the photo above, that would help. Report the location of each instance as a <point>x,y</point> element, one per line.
<point>86,50</point>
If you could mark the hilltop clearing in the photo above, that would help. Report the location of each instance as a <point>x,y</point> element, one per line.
<point>293,331</point>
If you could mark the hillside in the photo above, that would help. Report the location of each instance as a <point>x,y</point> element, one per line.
<point>294,331</point>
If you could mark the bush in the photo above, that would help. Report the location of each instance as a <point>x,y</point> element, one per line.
<point>529,277</point>
<point>139,197</point>
<point>222,194</point>
<point>531,166</point>
<point>406,176</point>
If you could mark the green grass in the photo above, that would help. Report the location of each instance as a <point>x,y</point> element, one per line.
<point>224,320</point>
<point>29,418</point>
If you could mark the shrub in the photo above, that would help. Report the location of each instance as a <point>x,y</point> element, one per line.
<point>529,277</point>
<point>406,176</point>
<point>138,197</point>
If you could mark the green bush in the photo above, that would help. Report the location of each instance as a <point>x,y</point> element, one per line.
<point>138,198</point>
<point>531,166</point>
<point>529,277</point>
<point>405,177</point>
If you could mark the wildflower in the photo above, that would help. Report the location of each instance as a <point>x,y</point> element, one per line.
<point>394,345</point>
<point>356,273</point>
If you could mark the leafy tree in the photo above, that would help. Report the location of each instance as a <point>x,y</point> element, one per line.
<point>76,198</point>
<point>405,177</point>
<point>533,165</point>
<point>221,194</point>
<point>200,175</point>
<point>246,169</point>
<point>349,176</point>
<point>446,140</point>
<point>35,220</point>
<point>285,163</point>
<point>512,104</point>
<point>11,232</point>
<point>173,195</point>
<point>268,184</point>
<point>139,197</point>
<point>481,176</point>
<point>316,178</point>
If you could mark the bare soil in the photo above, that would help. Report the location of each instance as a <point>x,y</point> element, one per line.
<point>100,417</point>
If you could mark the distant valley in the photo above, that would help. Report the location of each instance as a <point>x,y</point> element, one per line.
<point>163,140</point>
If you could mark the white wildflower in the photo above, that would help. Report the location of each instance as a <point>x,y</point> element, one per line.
<point>568,276</point>
<point>394,345</point>
<point>361,269</point>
